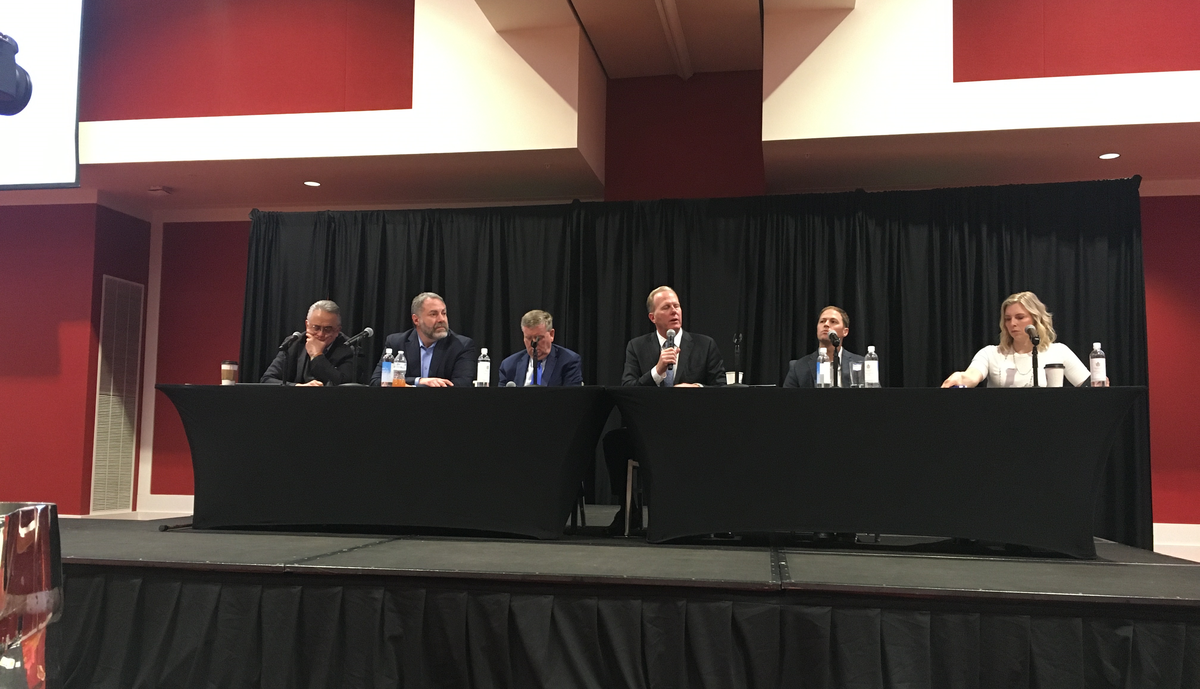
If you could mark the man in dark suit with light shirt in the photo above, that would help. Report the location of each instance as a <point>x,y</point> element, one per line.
<point>541,362</point>
<point>435,355</point>
<point>802,373</point>
<point>692,360</point>
<point>696,358</point>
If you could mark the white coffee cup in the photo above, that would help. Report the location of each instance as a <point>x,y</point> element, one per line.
<point>1054,375</point>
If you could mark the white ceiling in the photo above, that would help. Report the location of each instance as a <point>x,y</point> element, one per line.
<point>634,38</point>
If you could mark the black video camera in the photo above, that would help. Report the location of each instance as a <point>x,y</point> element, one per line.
<point>15,85</point>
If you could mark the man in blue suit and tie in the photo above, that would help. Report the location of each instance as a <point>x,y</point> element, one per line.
<point>541,362</point>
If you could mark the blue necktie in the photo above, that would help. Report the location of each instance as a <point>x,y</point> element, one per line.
<point>669,378</point>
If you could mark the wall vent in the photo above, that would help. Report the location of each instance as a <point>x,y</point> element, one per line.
<point>118,378</point>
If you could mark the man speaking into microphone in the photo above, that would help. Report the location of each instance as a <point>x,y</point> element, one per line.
<point>670,357</point>
<point>318,357</point>
<point>541,362</point>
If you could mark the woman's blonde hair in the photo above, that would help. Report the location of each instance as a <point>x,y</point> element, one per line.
<point>1043,320</point>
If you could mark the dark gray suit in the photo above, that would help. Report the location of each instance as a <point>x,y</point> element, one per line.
<point>700,360</point>
<point>802,373</point>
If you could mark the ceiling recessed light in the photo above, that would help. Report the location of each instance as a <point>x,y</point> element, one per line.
<point>1109,156</point>
<point>312,184</point>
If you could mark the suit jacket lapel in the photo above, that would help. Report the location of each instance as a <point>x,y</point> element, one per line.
<point>686,346</point>
<point>522,369</point>
<point>652,351</point>
<point>412,350</point>
<point>548,364</point>
<point>439,353</point>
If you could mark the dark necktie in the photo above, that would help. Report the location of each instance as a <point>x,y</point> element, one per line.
<point>668,379</point>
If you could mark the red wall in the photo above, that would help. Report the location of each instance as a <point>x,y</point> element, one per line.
<point>1171,249</point>
<point>51,260</point>
<point>669,138</point>
<point>200,325</point>
<point>164,58</point>
<point>1017,39</point>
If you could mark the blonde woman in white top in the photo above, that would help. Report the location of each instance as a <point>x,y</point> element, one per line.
<point>1010,364</point>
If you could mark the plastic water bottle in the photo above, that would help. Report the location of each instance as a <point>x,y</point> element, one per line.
<point>400,371</point>
<point>385,380</point>
<point>824,374</point>
<point>1098,366</point>
<point>483,370</point>
<point>871,367</point>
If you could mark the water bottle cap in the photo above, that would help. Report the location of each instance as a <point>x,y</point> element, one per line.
<point>387,350</point>
<point>822,350</point>
<point>1095,345</point>
<point>483,350</point>
<point>870,349</point>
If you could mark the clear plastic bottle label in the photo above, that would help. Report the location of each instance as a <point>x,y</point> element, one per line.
<point>1099,370</point>
<point>871,372</point>
<point>483,374</point>
<point>823,372</point>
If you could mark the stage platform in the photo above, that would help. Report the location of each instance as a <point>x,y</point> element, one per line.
<point>409,610</point>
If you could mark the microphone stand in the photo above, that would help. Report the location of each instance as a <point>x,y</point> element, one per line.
<point>533,362</point>
<point>289,362</point>
<point>356,347</point>
<point>289,368</point>
<point>1036,340</point>
<point>835,360</point>
<point>357,355</point>
<point>737,362</point>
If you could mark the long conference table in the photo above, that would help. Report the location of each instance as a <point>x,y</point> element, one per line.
<point>1019,466</point>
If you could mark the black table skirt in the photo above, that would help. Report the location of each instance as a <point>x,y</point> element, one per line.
<point>1012,466</point>
<point>505,460</point>
<point>1018,466</point>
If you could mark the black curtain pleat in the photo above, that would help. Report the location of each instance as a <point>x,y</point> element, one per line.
<point>168,629</point>
<point>921,273</point>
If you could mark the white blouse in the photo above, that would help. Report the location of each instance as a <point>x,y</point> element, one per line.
<point>1014,370</point>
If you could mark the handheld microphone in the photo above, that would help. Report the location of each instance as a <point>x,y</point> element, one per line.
<point>367,332</point>
<point>835,340</point>
<point>670,343</point>
<point>291,339</point>
<point>1033,335</point>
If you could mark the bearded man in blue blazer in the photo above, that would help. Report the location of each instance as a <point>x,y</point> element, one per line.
<point>436,356</point>
<point>541,362</point>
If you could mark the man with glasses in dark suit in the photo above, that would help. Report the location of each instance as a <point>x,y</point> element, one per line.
<point>321,358</point>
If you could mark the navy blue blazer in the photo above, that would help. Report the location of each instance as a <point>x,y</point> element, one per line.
<point>453,358</point>
<point>561,367</point>
<point>802,373</point>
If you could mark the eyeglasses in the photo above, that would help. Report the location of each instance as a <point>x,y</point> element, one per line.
<point>326,329</point>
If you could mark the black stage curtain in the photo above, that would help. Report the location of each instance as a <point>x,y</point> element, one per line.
<point>921,273</point>
<point>132,628</point>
